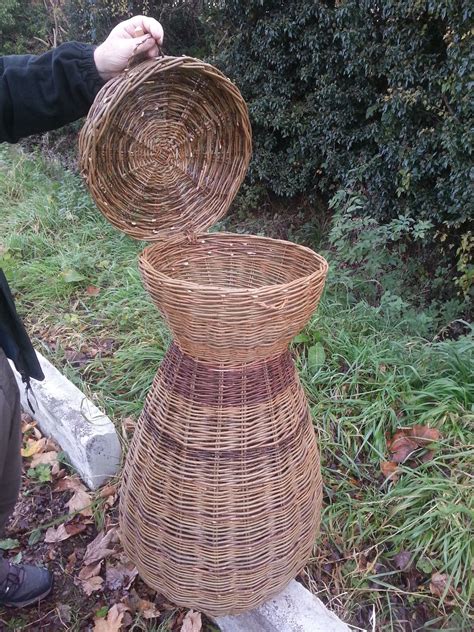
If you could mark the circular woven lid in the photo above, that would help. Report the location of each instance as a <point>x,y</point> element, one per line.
<point>165,148</point>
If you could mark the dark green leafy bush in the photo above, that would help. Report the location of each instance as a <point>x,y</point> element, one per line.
<point>372,93</point>
<point>367,99</point>
<point>181,19</point>
<point>24,27</point>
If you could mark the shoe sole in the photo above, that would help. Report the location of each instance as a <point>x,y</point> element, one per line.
<point>30,602</point>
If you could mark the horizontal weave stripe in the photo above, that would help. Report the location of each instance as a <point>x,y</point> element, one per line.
<point>213,386</point>
<point>167,442</point>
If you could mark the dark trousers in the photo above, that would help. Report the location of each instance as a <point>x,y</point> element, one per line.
<point>10,441</point>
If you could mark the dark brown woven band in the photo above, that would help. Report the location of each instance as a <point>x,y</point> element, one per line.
<point>235,386</point>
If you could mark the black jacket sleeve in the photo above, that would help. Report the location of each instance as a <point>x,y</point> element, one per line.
<point>41,93</point>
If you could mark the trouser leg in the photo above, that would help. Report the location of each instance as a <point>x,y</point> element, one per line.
<point>10,441</point>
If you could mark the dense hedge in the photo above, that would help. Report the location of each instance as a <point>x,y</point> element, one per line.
<point>24,27</point>
<point>368,96</point>
<point>185,28</point>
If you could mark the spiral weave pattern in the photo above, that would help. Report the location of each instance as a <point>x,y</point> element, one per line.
<point>165,148</point>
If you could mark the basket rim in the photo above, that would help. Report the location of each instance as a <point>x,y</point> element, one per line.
<point>147,68</point>
<point>224,289</point>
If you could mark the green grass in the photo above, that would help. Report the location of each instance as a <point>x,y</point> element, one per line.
<point>381,371</point>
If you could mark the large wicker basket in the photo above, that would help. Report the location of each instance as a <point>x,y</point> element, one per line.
<point>221,493</point>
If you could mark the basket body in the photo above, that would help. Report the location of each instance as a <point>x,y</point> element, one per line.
<point>221,495</point>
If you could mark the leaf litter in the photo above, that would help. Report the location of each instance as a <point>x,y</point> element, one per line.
<point>409,446</point>
<point>54,525</point>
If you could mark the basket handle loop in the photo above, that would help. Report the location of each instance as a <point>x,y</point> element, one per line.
<point>137,57</point>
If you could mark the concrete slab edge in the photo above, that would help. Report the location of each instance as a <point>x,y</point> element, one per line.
<point>86,435</point>
<point>293,610</point>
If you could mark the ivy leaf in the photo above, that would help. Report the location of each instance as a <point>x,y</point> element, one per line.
<point>316,357</point>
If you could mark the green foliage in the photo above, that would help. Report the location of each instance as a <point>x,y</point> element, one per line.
<point>185,30</point>
<point>41,473</point>
<point>382,261</point>
<point>24,26</point>
<point>8,544</point>
<point>376,90</point>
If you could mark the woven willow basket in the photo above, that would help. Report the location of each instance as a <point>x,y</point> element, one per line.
<point>221,492</point>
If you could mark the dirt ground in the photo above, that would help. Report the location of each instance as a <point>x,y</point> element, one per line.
<point>58,523</point>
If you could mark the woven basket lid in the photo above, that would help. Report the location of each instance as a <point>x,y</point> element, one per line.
<point>165,148</point>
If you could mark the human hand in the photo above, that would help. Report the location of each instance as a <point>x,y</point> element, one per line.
<point>113,55</point>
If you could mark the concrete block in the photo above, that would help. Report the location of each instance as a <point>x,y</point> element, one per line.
<point>293,610</point>
<point>85,434</point>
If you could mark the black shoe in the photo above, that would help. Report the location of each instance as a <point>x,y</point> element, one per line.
<point>24,585</point>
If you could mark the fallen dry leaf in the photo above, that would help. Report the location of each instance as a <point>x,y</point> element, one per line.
<point>108,490</point>
<point>147,609</point>
<point>423,435</point>
<point>390,470</point>
<point>98,548</point>
<point>57,471</point>
<point>56,534</point>
<point>37,433</point>
<point>192,622</point>
<point>71,562</point>
<point>113,621</point>
<point>44,458</point>
<point>109,494</point>
<point>52,554</point>
<point>403,560</point>
<point>63,532</point>
<point>92,290</point>
<point>89,571</point>
<point>64,613</point>
<point>120,576</point>
<point>406,441</point>
<point>51,445</point>
<point>129,424</point>
<point>80,502</point>
<point>33,447</point>
<point>27,423</point>
<point>69,483</point>
<point>401,447</point>
<point>427,456</point>
<point>92,585</point>
<point>438,584</point>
